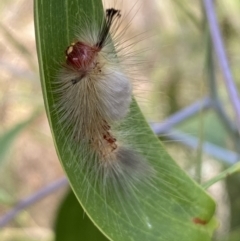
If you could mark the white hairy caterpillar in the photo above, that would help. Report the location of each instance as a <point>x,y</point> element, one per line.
<point>104,144</point>
<point>94,96</point>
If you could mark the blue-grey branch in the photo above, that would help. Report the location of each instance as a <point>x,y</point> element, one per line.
<point>182,115</point>
<point>45,191</point>
<point>222,58</point>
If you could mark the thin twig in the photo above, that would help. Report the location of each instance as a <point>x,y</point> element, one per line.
<point>182,115</point>
<point>222,58</point>
<point>231,170</point>
<point>216,102</point>
<point>224,155</point>
<point>35,197</point>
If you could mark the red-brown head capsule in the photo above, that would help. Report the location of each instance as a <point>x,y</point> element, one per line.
<point>80,56</point>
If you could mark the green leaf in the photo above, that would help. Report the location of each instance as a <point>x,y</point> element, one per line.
<point>176,208</point>
<point>73,224</point>
<point>7,138</point>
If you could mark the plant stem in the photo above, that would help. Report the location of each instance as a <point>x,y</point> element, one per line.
<point>222,58</point>
<point>35,197</point>
<point>231,170</point>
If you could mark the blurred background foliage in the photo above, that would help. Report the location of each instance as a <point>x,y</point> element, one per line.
<point>176,75</point>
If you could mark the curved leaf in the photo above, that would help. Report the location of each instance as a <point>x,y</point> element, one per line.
<point>175,208</point>
<point>73,224</point>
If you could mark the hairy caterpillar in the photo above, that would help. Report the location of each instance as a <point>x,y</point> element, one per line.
<point>94,95</point>
<point>106,147</point>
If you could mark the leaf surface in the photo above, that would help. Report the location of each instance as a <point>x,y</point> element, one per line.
<point>176,208</point>
<point>73,224</point>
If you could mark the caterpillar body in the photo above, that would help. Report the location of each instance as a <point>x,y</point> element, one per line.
<point>94,95</point>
